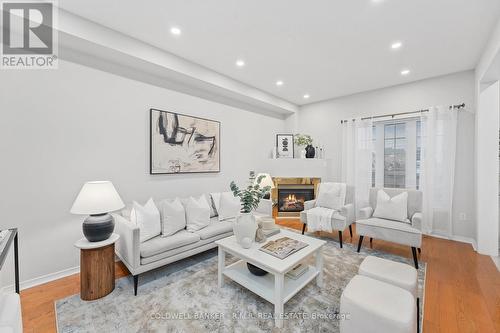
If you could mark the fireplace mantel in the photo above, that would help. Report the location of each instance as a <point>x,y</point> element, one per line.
<point>300,167</point>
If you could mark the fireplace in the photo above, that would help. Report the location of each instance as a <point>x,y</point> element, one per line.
<point>291,198</point>
<point>290,193</point>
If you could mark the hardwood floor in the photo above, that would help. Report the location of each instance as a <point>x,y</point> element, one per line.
<point>462,287</point>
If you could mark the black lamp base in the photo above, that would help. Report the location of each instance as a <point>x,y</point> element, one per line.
<point>97,228</point>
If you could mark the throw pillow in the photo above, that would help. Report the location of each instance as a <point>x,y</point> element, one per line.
<point>229,206</point>
<point>197,214</point>
<point>173,216</point>
<point>216,200</point>
<point>395,208</point>
<point>331,195</point>
<point>147,218</point>
<point>213,212</point>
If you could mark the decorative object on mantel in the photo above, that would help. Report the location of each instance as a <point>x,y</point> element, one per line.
<point>305,140</point>
<point>245,226</point>
<point>97,199</point>
<point>183,144</point>
<point>284,146</point>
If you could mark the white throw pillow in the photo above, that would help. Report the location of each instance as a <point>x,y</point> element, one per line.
<point>197,214</point>
<point>331,195</point>
<point>216,200</point>
<point>229,206</point>
<point>213,212</point>
<point>147,218</point>
<point>395,208</point>
<point>173,216</point>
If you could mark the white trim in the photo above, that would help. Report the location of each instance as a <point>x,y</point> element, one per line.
<point>460,239</point>
<point>43,279</point>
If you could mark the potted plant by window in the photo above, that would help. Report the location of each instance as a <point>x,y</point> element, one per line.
<point>245,226</point>
<point>304,140</point>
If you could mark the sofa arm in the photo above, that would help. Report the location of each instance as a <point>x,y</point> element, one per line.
<point>265,207</point>
<point>365,213</point>
<point>416,221</point>
<point>128,245</point>
<point>309,204</point>
<point>348,212</point>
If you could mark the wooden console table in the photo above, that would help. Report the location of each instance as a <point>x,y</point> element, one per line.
<point>97,267</point>
<point>4,249</point>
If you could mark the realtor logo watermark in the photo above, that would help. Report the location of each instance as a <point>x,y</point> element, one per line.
<point>28,38</point>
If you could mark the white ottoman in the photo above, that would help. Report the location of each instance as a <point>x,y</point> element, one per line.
<point>377,307</point>
<point>395,273</point>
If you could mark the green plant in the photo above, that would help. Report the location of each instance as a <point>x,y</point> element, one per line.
<point>251,195</point>
<point>303,139</point>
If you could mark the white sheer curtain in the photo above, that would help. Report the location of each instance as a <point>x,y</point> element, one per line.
<point>357,158</point>
<point>439,133</point>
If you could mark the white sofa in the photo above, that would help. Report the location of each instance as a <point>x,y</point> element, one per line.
<point>408,234</point>
<point>340,219</point>
<point>10,313</point>
<point>159,251</point>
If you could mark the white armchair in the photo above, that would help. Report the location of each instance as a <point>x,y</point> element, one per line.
<point>408,234</point>
<point>340,219</point>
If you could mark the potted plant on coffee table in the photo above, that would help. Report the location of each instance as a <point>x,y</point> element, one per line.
<point>245,226</point>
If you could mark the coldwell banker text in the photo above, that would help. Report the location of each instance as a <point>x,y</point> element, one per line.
<point>28,37</point>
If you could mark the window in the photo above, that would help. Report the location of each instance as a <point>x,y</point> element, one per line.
<point>396,156</point>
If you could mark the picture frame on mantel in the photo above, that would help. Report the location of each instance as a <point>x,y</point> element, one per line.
<point>182,143</point>
<point>284,146</point>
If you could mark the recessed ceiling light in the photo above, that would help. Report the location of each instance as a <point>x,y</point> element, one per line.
<point>405,72</point>
<point>396,45</point>
<point>240,63</point>
<point>279,83</point>
<point>306,96</point>
<point>176,31</point>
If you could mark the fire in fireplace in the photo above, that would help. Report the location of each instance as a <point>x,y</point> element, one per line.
<point>291,198</point>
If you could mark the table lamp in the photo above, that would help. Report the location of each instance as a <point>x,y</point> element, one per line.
<point>266,181</point>
<point>97,199</point>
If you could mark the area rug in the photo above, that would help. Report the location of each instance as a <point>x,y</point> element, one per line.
<point>184,297</point>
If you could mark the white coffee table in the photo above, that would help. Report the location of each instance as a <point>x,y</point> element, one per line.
<point>274,287</point>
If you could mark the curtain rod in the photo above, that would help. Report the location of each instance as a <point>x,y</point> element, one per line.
<point>457,106</point>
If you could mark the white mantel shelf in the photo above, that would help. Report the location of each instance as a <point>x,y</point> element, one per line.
<point>300,167</point>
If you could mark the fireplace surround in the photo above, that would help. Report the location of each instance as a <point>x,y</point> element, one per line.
<point>290,194</point>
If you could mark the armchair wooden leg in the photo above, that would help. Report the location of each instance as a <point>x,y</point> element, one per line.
<point>340,238</point>
<point>136,282</point>
<point>360,242</point>
<point>303,228</point>
<point>371,241</point>
<point>350,230</point>
<point>415,260</point>
<point>419,250</point>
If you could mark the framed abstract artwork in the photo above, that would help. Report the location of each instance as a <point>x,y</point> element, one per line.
<point>284,145</point>
<point>183,144</point>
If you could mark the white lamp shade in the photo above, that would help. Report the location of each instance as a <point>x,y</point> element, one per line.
<point>266,181</point>
<point>97,198</point>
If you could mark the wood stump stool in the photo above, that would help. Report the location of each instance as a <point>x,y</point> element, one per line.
<point>97,267</point>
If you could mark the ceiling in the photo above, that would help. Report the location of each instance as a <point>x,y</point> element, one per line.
<point>324,48</point>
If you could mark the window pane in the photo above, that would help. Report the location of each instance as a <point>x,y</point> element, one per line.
<point>400,162</point>
<point>389,131</point>
<point>400,145</point>
<point>388,163</point>
<point>400,130</point>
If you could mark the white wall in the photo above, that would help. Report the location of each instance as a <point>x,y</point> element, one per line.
<point>322,121</point>
<point>60,128</point>
<point>487,128</point>
<point>487,170</point>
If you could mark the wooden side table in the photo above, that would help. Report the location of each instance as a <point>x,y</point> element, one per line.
<point>97,267</point>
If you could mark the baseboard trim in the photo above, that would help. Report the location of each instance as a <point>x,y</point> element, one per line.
<point>42,279</point>
<point>460,239</point>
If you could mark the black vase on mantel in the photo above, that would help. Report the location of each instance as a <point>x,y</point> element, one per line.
<point>310,151</point>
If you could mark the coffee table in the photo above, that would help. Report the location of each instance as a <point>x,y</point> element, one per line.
<point>274,287</point>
